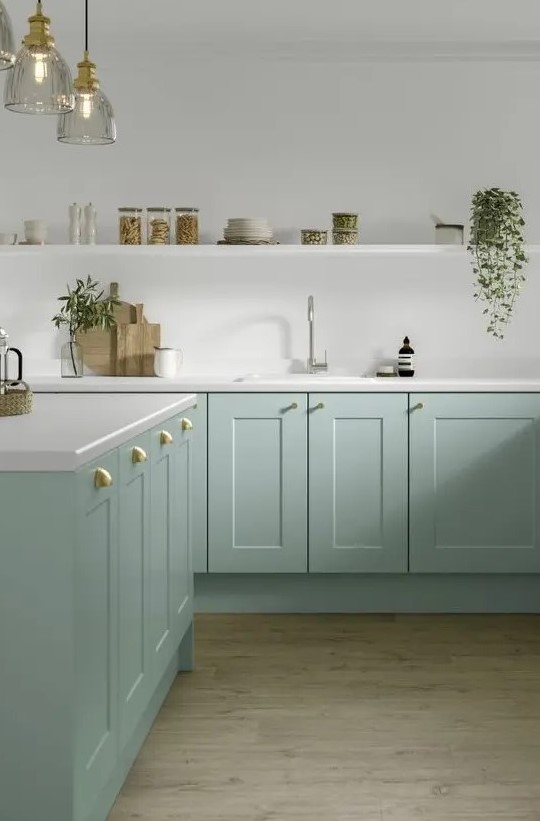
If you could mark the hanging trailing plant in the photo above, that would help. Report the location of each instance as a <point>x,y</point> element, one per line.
<point>498,257</point>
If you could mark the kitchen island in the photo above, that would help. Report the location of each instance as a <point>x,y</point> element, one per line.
<point>96,594</point>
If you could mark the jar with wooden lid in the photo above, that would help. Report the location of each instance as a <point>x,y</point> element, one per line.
<point>130,226</point>
<point>158,226</point>
<point>187,226</point>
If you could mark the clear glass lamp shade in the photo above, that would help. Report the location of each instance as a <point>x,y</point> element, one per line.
<point>7,43</point>
<point>91,122</point>
<point>39,83</point>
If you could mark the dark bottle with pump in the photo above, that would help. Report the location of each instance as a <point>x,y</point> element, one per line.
<point>406,359</point>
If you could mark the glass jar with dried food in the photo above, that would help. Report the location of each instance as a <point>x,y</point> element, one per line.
<point>158,226</point>
<point>187,226</point>
<point>314,236</point>
<point>130,226</point>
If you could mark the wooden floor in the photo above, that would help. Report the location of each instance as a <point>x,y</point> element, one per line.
<point>348,718</point>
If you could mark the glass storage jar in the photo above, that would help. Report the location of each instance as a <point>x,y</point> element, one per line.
<point>314,236</point>
<point>158,226</point>
<point>187,226</point>
<point>130,226</point>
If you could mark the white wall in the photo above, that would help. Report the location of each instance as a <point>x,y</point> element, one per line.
<point>291,140</point>
<point>235,315</point>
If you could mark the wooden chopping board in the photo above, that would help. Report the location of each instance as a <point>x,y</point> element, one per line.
<point>135,343</point>
<point>99,347</point>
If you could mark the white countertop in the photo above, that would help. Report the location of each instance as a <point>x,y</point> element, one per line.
<point>65,432</point>
<point>270,383</point>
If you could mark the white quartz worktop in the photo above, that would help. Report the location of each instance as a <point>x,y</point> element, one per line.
<point>273,383</point>
<point>65,432</point>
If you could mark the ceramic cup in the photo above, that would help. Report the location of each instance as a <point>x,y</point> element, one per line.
<point>167,362</point>
<point>8,239</point>
<point>35,231</point>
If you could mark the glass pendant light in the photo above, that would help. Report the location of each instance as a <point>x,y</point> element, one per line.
<point>7,42</point>
<point>40,81</point>
<point>92,120</point>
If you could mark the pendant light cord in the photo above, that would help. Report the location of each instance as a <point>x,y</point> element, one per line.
<point>86,25</point>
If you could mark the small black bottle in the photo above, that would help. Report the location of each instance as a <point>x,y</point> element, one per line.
<point>406,359</point>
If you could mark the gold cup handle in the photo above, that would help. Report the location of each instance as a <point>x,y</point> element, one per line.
<point>165,438</point>
<point>186,424</point>
<point>102,478</point>
<point>138,455</point>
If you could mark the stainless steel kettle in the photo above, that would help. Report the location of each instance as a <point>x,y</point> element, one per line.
<point>5,350</point>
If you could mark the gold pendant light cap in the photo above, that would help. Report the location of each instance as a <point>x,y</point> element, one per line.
<point>86,79</point>
<point>39,34</point>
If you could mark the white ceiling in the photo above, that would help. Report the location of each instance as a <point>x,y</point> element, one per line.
<point>348,29</point>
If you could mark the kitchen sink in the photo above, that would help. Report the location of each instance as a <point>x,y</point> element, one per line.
<point>284,378</point>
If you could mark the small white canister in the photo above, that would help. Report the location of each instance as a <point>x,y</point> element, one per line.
<point>167,362</point>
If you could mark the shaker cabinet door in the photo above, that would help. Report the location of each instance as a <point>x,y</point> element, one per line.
<point>257,483</point>
<point>180,568</point>
<point>134,651</point>
<point>170,565</point>
<point>199,485</point>
<point>96,633</point>
<point>357,483</point>
<point>474,483</point>
<point>162,539</point>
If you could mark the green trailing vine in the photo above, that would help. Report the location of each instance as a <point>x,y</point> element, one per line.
<point>498,256</point>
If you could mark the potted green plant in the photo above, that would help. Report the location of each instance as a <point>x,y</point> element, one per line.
<point>498,256</point>
<point>84,308</point>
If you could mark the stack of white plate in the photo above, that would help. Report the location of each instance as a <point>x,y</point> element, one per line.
<point>247,229</point>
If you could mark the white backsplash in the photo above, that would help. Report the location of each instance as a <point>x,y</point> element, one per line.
<point>250,315</point>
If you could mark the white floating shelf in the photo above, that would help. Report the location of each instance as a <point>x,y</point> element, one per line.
<point>213,251</point>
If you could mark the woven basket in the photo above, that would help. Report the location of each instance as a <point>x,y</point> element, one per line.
<point>17,400</point>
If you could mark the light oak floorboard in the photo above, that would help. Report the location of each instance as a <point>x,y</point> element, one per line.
<point>347,718</point>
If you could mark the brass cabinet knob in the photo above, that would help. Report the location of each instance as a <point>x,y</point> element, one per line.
<point>320,406</point>
<point>418,406</point>
<point>102,478</point>
<point>186,424</point>
<point>138,455</point>
<point>165,438</point>
<point>292,406</point>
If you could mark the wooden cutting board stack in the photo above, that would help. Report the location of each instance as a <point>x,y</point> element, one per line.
<point>125,350</point>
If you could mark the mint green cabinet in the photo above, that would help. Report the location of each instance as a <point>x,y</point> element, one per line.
<point>96,633</point>
<point>358,483</point>
<point>170,565</point>
<point>96,600</point>
<point>180,567</point>
<point>199,484</point>
<point>257,483</point>
<point>163,534</point>
<point>134,655</point>
<point>474,483</point>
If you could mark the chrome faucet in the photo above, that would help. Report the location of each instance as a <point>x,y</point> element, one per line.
<point>312,365</point>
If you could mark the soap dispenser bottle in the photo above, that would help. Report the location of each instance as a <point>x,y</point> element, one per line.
<point>406,359</point>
